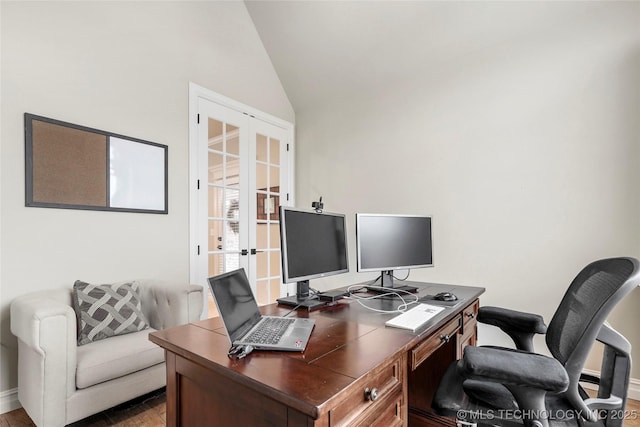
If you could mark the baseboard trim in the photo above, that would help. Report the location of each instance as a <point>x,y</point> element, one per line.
<point>634,389</point>
<point>9,400</point>
<point>632,393</point>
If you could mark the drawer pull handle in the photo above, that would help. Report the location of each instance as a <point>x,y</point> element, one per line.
<point>371,394</point>
<point>445,338</point>
<point>471,315</point>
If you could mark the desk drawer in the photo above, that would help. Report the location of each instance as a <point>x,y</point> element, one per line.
<point>443,335</point>
<point>386,414</point>
<point>469,316</point>
<point>379,393</point>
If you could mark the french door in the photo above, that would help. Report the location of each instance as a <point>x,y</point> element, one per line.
<point>242,174</point>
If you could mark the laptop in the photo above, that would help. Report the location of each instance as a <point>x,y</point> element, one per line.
<point>244,323</point>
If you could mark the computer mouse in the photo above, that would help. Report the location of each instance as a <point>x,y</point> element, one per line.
<point>445,296</point>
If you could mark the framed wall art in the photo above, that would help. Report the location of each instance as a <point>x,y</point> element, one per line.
<point>267,204</point>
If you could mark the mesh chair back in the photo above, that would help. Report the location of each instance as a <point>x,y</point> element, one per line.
<point>585,306</point>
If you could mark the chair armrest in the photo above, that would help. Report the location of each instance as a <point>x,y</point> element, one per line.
<point>528,376</point>
<point>613,382</point>
<point>513,368</point>
<point>596,403</point>
<point>47,344</point>
<point>520,326</point>
<point>170,304</point>
<point>614,339</point>
<point>30,313</point>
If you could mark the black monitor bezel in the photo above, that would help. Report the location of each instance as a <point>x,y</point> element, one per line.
<point>378,269</point>
<point>284,249</point>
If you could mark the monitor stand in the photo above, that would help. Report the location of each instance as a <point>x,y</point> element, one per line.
<point>302,298</point>
<point>387,285</point>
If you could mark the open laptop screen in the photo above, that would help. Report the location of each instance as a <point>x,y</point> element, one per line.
<point>235,301</point>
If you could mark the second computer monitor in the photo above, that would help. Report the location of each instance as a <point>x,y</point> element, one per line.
<point>387,242</point>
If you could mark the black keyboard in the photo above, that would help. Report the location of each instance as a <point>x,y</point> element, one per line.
<point>269,331</point>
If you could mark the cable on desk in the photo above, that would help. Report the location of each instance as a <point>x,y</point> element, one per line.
<point>239,351</point>
<point>362,288</point>
<point>401,308</point>
<point>292,310</point>
<point>313,294</point>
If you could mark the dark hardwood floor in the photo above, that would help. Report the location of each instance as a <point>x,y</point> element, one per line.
<point>150,410</point>
<point>147,410</point>
<point>633,414</point>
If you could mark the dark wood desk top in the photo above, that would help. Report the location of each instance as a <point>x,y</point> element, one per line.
<point>347,342</point>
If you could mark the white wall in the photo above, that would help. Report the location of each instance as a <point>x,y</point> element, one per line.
<point>122,67</point>
<point>525,153</point>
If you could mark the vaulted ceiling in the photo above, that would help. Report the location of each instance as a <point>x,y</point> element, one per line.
<point>324,51</point>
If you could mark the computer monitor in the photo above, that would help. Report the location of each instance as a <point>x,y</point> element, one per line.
<point>313,245</point>
<point>391,242</point>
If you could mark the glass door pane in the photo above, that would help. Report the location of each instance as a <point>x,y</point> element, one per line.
<point>224,200</point>
<point>267,232</point>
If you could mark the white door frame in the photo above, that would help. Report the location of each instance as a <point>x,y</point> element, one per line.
<point>196,93</point>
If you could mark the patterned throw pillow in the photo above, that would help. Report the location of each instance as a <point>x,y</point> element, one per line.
<point>107,310</point>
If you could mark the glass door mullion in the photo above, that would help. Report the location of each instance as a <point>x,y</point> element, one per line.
<point>267,143</point>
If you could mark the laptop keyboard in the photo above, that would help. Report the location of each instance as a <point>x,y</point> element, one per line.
<point>269,331</point>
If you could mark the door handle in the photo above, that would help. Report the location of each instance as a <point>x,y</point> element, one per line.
<point>242,252</point>
<point>255,251</point>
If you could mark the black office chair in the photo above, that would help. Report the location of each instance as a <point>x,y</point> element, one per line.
<point>512,387</point>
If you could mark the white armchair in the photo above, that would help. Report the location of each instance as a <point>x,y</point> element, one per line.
<point>60,382</point>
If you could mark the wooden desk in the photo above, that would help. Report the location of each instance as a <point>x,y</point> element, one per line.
<point>350,353</point>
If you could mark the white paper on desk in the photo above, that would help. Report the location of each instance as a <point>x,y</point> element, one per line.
<point>414,318</point>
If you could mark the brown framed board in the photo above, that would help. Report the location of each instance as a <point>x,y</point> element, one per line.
<point>76,167</point>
